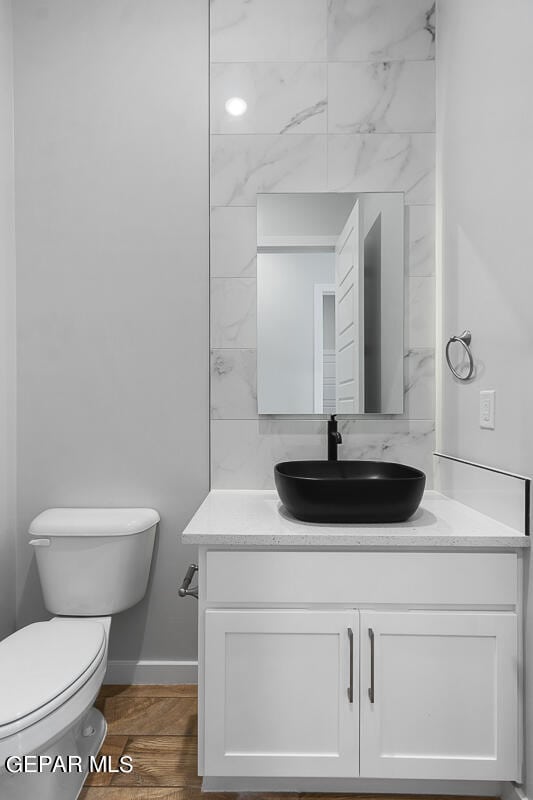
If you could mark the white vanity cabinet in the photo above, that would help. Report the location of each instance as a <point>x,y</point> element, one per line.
<point>439,695</point>
<point>339,659</point>
<point>282,692</point>
<point>323,664</point>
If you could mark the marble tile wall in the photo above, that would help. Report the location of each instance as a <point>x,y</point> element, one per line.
<point>341,97</point>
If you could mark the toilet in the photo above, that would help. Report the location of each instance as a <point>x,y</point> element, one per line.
<point>92,563</point>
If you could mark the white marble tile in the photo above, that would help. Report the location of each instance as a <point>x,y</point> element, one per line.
<point>410,442</point>
<point>383,162</point>
<point>381,97</point>
<point>280,97</point>
<point>233,384</point>
<point>268,30</point>
<point>233,312</point>
<point>368,30</point>
<point>244,165</point>
<point>233,241</point>
<point>420,221</point>
<point>419,386</point>
<point>244,452</point>
<point>420,316</point>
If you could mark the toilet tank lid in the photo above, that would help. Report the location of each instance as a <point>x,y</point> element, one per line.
<point>93,521</point>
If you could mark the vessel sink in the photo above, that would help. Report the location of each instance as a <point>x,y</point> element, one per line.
<point>349,491</point>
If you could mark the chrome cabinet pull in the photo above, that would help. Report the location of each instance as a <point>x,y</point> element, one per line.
<point>371,690</point>
<point>350,687</point>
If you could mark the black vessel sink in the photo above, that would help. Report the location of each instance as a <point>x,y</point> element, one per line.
<point>349,491</point>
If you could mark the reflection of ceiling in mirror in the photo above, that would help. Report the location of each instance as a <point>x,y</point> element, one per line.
<point>319,216</point>
<point>304,214</point>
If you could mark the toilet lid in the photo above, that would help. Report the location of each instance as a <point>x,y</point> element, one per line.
<point>40,662</point>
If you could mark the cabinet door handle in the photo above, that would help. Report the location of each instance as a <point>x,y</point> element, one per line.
<point>350,687</point>
<point>371,690</point>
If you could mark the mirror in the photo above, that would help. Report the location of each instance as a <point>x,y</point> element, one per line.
<point>330,303</point>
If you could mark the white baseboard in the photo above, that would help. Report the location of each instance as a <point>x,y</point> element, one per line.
<point>354,786</point>
<point>155,672</point>
<point>513,791</point>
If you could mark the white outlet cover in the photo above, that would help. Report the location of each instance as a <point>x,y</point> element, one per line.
<point>486,409</point>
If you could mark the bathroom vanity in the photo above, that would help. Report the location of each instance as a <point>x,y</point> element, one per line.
<point>356,651</point>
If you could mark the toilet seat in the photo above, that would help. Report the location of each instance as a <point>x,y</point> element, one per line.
<point>43,665</point>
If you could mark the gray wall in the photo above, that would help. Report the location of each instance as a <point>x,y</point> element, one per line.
<point>7,332</point>
<point>112,309</point>
<point>485,130</point>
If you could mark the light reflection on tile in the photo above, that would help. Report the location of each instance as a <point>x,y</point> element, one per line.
<point>281,98</point>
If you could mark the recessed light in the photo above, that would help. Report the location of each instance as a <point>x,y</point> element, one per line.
<point>236,106</point>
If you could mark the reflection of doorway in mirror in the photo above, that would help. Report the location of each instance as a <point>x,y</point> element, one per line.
<point>325,398</point>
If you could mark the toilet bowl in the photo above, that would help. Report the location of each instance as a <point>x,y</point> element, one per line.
<point>92,563</point>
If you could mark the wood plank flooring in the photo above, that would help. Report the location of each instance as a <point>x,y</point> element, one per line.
<point>157,726</point>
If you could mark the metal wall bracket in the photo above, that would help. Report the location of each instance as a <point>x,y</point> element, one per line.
<point>184,590</point>
<point>464,340</point>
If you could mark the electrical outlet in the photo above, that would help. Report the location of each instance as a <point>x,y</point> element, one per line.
<point>486,409</point>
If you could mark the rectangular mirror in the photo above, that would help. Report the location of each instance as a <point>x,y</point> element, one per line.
<point>330,303</point>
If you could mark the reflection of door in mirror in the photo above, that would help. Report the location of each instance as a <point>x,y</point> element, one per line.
<point>350,316</point>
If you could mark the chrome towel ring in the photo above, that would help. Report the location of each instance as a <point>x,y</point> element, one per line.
<point>464,340</point>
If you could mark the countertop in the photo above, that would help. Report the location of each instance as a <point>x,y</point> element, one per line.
<point>246,518</point>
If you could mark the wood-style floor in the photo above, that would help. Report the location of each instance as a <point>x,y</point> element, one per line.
<point>157,726</point>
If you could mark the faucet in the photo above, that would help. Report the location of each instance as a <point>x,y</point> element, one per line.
<point>334,438</point>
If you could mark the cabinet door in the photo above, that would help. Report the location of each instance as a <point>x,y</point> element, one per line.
<point>277,699</point>
<point>445,698</point>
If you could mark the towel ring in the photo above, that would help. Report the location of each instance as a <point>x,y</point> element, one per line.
<point>464,340</point>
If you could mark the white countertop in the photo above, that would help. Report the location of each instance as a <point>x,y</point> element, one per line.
<point>246,518</point>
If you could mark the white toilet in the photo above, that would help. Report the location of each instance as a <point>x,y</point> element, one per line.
<point>92,562</point>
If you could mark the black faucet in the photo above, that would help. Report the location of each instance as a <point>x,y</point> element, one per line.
<point>334,438</point>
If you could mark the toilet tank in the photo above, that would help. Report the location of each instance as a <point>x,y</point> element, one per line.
<point>93,561</point>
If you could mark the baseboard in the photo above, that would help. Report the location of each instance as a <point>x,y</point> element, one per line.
<point>355,786</point>
<point>155,672</point>
<point>513,791</point>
